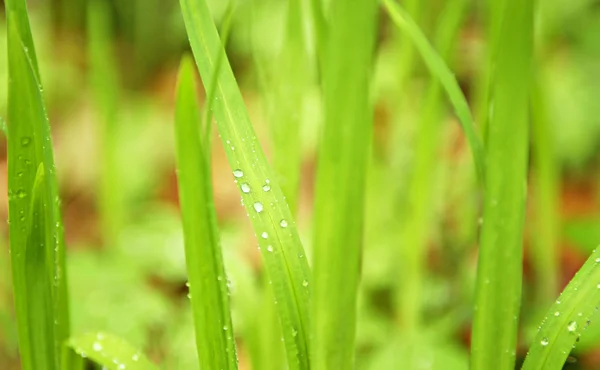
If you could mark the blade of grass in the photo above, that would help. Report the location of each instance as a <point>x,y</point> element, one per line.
<point>104,81</point>
<point>29,146</point>
<point>567,319</point>
<point>108,351</point>
<point>269,213</point>
<point>206,274</point>
<point>341,178</point>
<point>499,274</point>
<point>418,219</point>
<point>547,219</point>
<point>438,68</point>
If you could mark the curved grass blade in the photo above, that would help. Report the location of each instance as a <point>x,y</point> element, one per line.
<point>109,351</point>
<point>344,156</point>
<point>499,270</point>
<point>269,214</point>
<point>206,274</point>
<point>29,146</point>
<point>17,9</point>
<point>438,68</point>
<point>567,319</point>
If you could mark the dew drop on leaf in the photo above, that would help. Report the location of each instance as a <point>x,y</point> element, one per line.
<point>544,342</point>
<point>245,188</point>
<point>238,173</point>
<point>283,223</point>
<point>258,207</point>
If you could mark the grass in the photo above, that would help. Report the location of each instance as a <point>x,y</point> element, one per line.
<point>341,179</point>
<point>341,313</point>
<point>282,251</point>
<point>207,278</point>
<point>499,271</point>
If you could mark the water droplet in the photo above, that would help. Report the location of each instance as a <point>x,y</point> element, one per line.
<point>557,314</point>
<point>264,235</point>
<point>305,283</point>
<point>135,357</point>
<point>20,174</point>
<point>25,141</point>
<point>245,188</point>
<point>238,173</point>
<point>225,328</point>
<point>21,194</point>
<point>545,341</point>
<point>572,326</point>
<point>294,332</point>
<point>598,260</point>
<point>283,223</point>
<point>266,187</point>
<point>270,248</point>
<point>97,347</point>
<point>258,207</point>
<point>121,366</point>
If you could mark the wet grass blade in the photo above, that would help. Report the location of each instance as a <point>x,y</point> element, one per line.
<point>499,274</point>
<point>344,156</point>
<point>106,350</point>
<point>30,148</point>
<point>263,198</point>
<point>440,70</point>
<point>206,274</point>
<point>567,319</point>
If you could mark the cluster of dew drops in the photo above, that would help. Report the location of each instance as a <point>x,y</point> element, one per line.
<point>571,325</point>
<point>258,207</point>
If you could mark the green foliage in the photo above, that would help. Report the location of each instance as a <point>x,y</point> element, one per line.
<point>567,319</point>
<point>271,218</point>
<point>499,273</point>
<point>341,181</point>
<point>106,350</point>
<point>36,236</point>
<point>207,279</point>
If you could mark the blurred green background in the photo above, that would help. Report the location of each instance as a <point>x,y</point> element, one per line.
<point>132,282</point>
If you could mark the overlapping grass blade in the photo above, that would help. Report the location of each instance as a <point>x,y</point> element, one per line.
<point>344,156</point>
<point>499,274</point>
<point>29,147</point>
<point>420,190</point>
<point>104,81</point>
<point>106,350</point>
<point>567,319</point>
<point>271,218</point>
<point>207,280</point>
<point>439,69</point>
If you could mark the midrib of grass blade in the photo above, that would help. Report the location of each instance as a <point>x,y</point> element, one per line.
<point>106,350</point>
<point>104,81</point>
<point>344,155</point>
<point>29,146</point>
<point>418,219</point>
<point>269,214</point>
<point>499,273</point>
<point>206,273</point>
<point>567,319</point>
<point>438,68</point>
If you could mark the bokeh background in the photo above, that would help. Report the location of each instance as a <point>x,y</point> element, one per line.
<point>128,276</point>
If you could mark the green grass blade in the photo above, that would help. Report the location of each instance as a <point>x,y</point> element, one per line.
<point>110,352</point>
<point>105,88</point>
<point>417,225</point>
<point>18,10</point>
<point>38,267</point>
<point>567,319</point>
<point>499,275</point>
<point>29,147</point>
<point>438,68</point>
<point>269,214</point>
<point>344,156</point>
<point>207,280</point>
